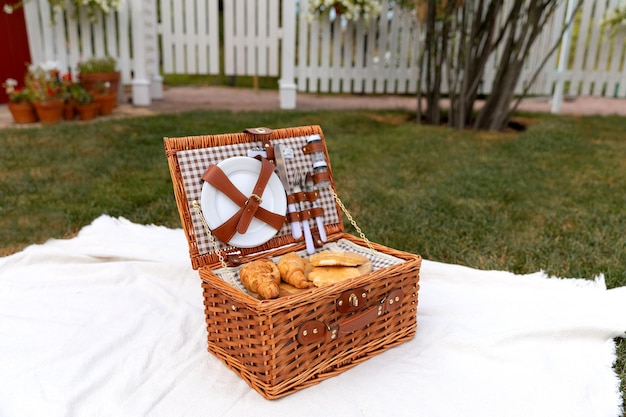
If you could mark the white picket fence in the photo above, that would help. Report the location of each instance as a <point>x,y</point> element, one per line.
<point>129,35</point>
<point>275,38</point>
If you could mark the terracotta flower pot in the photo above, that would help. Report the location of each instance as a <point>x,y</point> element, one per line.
<point>94,82</point>
<point>88,111</point>
<point>49,112</point>
<point>23,112</point>
<point>68,111</point>
<point>107,103</point>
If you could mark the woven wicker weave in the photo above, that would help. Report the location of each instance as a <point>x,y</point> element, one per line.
<point>259,339</point>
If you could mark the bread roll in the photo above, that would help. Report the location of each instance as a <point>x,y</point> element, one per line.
<point>326,275</point>
<point>328,258</point>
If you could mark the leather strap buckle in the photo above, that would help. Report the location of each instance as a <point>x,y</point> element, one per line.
<point>254,197</point>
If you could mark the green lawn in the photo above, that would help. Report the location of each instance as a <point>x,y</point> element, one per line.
<point>550,198</point>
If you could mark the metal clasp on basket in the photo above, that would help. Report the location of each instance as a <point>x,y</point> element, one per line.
<point>351,300</point>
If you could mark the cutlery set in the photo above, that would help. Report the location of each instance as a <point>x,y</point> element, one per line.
<point>300,190</point>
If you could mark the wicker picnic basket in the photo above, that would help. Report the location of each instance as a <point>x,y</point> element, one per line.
<point>282,345</point>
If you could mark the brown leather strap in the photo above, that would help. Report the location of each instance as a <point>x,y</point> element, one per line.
<point>249,206</point>
<point>316,331</point>
<point>311,195</point>
<point>313,147</point>
<point>254,201</point>
<point>293,216</point>
<point>316,211</point>
<point>321,177</point>
<point>305,215</point>
<point>300,196</point>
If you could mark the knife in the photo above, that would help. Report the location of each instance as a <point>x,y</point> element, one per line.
<point>281,170</point>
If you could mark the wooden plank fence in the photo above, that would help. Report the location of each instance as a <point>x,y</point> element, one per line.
<point>329,55</point>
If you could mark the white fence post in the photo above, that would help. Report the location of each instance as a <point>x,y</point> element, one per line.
<point>141,83</point>
<point>286,84</point>
<point>152,58</point>
<point>557,99</point>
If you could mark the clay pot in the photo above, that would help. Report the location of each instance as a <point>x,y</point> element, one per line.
<point>23,112</point>
<point>68,111</point>
<point>93,83</point>
<point>107,103</point>
<point>88,111</point>
<point>49,112</point>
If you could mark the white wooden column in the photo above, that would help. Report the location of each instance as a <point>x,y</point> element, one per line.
<point>287,84</point>
<point>557,99</point>
<point>141,81</point>
<point>152,59</point>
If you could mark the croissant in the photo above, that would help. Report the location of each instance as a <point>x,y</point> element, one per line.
<point>291,267</point>
<point>262,277</point>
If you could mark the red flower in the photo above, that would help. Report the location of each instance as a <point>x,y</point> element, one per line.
<point>51,92</point>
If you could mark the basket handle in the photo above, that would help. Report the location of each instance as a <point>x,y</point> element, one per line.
<point>316,331</point>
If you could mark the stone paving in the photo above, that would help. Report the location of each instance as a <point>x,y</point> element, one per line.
<point>180,99</point>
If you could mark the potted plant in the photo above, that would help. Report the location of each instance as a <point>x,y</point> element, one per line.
<point>69,112</point>
<point>83,102</point>
<point>106,98</point>
<point>95,72</point>
<point>20,102</point>
<point>48,97</point>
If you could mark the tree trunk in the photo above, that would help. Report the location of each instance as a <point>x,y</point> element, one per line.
<point>458,45</point>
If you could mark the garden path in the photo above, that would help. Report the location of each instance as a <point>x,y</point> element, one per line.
<point>180,99</point>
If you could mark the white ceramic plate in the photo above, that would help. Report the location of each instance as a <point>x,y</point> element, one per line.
<point>243,172</point>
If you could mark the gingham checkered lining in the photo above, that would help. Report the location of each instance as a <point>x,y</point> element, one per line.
<point>379,260</point>
<point>193,163</point>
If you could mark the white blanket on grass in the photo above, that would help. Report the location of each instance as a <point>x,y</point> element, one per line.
<point>110,323</point>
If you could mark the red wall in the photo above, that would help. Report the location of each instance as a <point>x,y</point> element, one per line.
<point>14,52</point>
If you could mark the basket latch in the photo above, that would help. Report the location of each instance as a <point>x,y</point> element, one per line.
<point>351,300</point>
<point>316,331</point>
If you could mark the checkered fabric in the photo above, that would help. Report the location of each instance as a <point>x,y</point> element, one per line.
<point>193,163</point>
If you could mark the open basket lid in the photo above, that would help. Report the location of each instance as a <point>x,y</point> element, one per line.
<point>201,205</point>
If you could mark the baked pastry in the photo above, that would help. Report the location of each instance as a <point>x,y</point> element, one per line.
<point>262,277</point>
<point>326,275</point>
<point>291,267</point>
<point>330,267</point>
<point>328,258</point>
